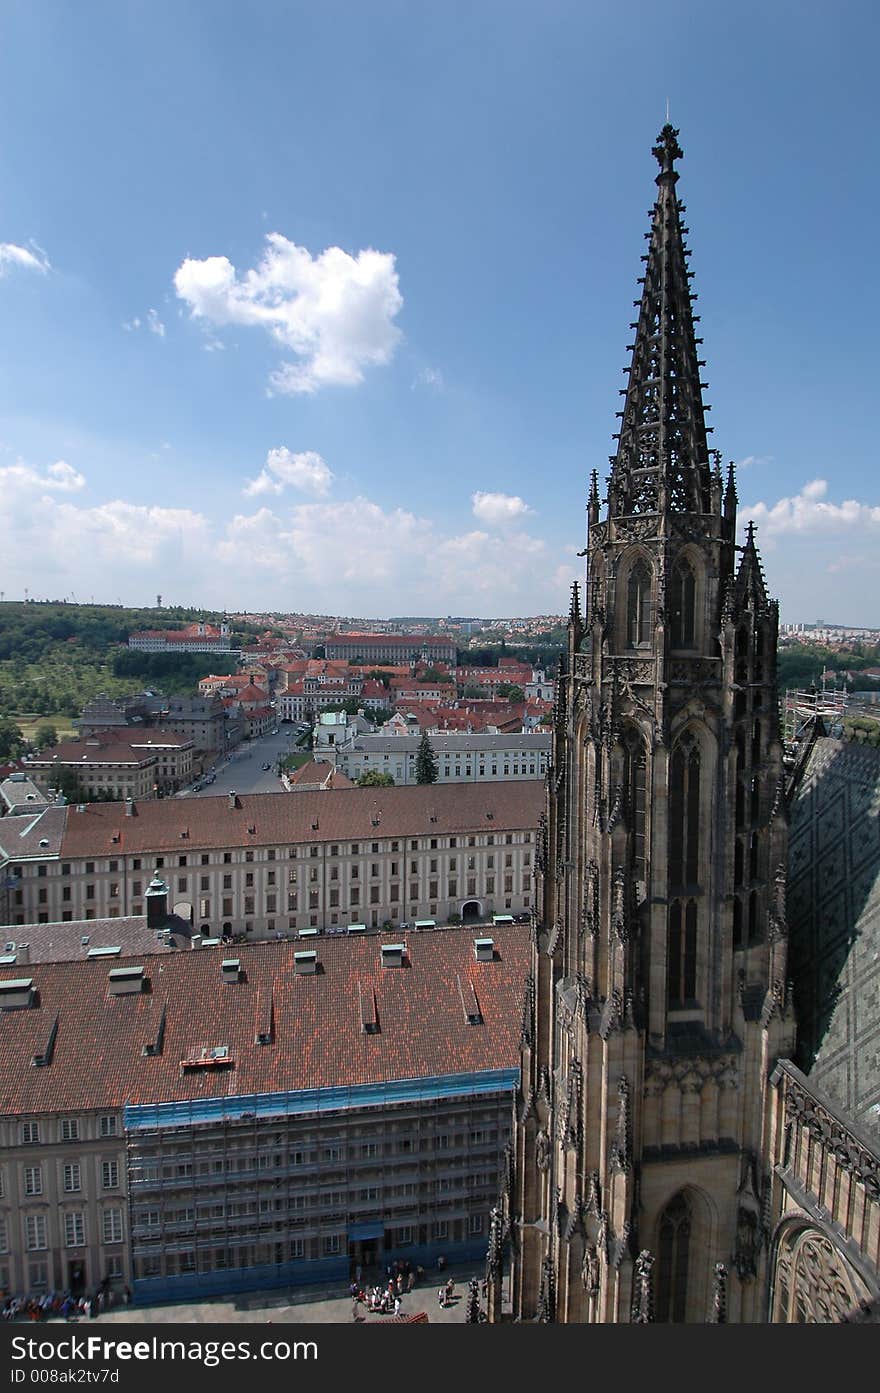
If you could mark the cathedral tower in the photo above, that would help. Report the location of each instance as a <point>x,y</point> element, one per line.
<point>658,1001</point>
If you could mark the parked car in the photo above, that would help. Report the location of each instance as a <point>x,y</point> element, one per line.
<point>266,766</point>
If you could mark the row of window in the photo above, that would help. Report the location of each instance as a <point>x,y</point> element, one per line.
<point>274,853</point>
<point>74,1225</point>
<point>68,1129</point>
<point>71,1177</point>
<point>293,1250</point>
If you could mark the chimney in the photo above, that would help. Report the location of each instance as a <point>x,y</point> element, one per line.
<point>129,807</point>
<point>233,798</point>
<point>157,903</point>
<point>23,953</point>
<point>196,941</point>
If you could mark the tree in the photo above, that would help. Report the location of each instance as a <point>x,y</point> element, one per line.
<point>11,739</point>
<point>374,778</point>
<point>511,692</point>
<point>426,762</point>
<point>472,690</point>
<point>45,736</point>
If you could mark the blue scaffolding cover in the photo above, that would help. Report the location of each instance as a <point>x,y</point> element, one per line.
<point>357,1232</point>
<point>189,1112</point>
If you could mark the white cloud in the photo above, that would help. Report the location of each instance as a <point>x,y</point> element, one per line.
<point>496,509</point>
<point>751,460</point>
<point>429,377</point>
<point>334,311</point>
<point>21,478</point>
<point>306,471</point>
<point>152,322</point>
<point>347,556</point>
<point>12,256</point>
<point>809,511</point>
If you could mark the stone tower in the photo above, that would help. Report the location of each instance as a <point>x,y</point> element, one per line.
<point>658,998</point>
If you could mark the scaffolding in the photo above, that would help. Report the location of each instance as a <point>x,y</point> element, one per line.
<point>800,709</point>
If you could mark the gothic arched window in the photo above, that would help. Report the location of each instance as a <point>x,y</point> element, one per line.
<point>683,604</point>
<point>684,815</point>
<point>682,960</point>
<point>672,1261</point>
<point>813,1283</point>
<point>635,788</point>
<point>638,606</point>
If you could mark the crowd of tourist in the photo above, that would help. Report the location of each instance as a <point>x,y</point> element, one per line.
<point>56,1305</point>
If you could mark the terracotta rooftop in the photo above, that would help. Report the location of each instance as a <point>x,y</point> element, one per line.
<point>317,1038</point>
<point>318,773</point>
<point>334,815</point>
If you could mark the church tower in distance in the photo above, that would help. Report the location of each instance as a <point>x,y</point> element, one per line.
<point>658,1001</point>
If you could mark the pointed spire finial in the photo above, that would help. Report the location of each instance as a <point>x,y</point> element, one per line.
<point>667,149</point>
<point>731,478</point>
<point>575,607</point>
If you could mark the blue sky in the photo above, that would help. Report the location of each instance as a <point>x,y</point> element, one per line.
<point>324,307</point>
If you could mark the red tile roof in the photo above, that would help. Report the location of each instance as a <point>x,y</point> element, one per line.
<point>347,814</point>
<point>317,1037</point>
<point>318,773</point>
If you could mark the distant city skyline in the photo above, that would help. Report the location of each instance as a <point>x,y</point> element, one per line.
<point>326,309</point>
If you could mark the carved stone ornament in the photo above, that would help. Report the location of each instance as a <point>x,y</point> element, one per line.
<point>590,1270</point>
<point>643,1304</point>
<point>542,1151</point>
<point>621,1152</point>
<point>547,1298</point>
<point>719,1295</point>
<point>636,529</point>
<point>851,1155</point>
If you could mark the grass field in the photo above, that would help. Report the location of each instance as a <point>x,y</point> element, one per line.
<point>29,723</point>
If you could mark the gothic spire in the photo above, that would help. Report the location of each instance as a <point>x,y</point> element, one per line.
<point>662,462</point>
<point>750,584</point>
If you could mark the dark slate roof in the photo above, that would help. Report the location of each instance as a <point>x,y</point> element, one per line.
<point>57,943</point>
<point>36,835</point>
<point>317,1035</point>
<point>834,918</point>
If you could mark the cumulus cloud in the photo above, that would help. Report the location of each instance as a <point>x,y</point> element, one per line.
<point>306,472</point>
<point>497,509</point>
<point>12,257</point>
<point>346,556</point>
<point>809,511</point>
<point>335,312</point>
<point>60,476</point>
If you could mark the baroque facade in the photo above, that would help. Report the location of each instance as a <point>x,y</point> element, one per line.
<point>668,1162</point>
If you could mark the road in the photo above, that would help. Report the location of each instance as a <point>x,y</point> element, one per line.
<point>244,771</point>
